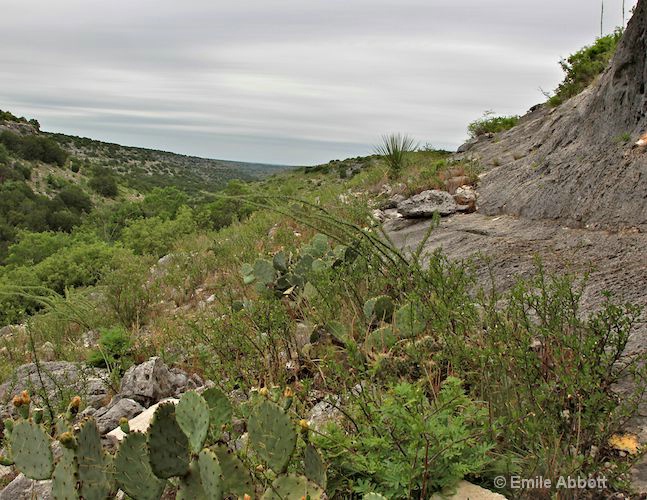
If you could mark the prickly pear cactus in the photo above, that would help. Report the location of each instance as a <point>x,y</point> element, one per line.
<point>314,467</point>
<point>168,446</point>
<point>272,435</point>
<point>292,487</point>
<point>220,410</point>
<point>264,271</point>
<point>379,308</point>
<point>133,471</point>
<point>94,466</point>
<point>211,475</point>
<point>190,487</point>
<point>30,450</point>
<point>380,340</point>
<point>66,477</point>
<point>192,414</point>
<point>236,478</point>
<point>409,321</point>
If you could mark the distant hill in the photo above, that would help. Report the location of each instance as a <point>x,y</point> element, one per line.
<point>143,169</point>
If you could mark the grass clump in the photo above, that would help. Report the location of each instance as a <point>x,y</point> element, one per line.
<point>583,66</point>
<point>395,148</point>
<point>489,123</point>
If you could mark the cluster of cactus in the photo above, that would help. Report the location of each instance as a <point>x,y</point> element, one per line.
<point>288,274</point>
<point>173,449</point>
<point>391,324</point>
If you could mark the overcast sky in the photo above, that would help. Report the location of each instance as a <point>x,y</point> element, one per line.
<point>283,81</point>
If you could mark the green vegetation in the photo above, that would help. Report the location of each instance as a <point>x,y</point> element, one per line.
<point>34,148</point>
<point>395,148</point>
<point>491,124</point>
<point>286,290</point>
<point>582,67</point>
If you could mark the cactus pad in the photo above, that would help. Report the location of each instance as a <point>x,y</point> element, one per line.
<point>314,467</point>
<point>211,474</point>
<point>379,308</point>
<point>191,484</point>
<point>168,446</point>
<point>220,409</point>
<point>264,271</point>
<point>292,487</point>
<point>192,414</point>
<point>134,474</point>
<point>409,321</point>
<point>30,450</point>
<point>65,477</point>
<point>380,340</point>
<point>94,466</point>
<point>236,478</point>
<point>272,435</point>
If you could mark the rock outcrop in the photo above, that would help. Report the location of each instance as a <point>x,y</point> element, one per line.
<point>571,163</point>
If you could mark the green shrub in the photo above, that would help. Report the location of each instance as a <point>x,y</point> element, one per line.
<point>32,248</point>
<point>490,124</point>
<point>113,350</point>
<point>130,288</point>
<point>155,236</point>
<point>74,197</point>
<point>407,445</point>
<point>104,184</point>
<point>394,149</point>
<point>34,147</point>
<point>4,155</point>
<point>583,66</point>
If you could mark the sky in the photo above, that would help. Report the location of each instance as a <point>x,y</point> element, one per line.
<point>292,82</point>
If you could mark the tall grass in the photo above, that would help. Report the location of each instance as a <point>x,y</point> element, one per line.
<point>395,148</point>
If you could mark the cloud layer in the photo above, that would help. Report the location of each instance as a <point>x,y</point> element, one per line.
<point>283,81</point>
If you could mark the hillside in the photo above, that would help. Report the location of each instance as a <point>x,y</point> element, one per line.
<point>144,169</point>
<point>412,324</point>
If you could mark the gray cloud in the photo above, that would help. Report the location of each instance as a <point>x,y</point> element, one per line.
<point>283,81</point>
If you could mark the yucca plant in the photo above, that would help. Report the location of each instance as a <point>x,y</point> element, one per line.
<point>394,148</point>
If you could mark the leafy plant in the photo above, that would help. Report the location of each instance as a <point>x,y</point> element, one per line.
<point>583,66</point>
<point>113,351</point>
<point>491,124</point>
<point>394,149</point>
<point>405,444</point>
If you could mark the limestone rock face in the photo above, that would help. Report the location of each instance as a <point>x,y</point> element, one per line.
<point>152,381</point>
<point>569,163</point>
<point>23,488</point>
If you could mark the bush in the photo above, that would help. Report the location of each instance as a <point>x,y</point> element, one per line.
<point>32,248</point>
<point>34,148</point>
<point>104,184</point>
<point>130,288</point>
<point>583,66</point>
<point>395,148</point>
<point>407,445</point>
<point>490,124</point>
<point>155,236</point>
<point>4,155</point>
<point>75,198</point>
<point>112,353</point>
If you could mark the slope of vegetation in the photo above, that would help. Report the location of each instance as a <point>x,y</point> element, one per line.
<point>288,283</point>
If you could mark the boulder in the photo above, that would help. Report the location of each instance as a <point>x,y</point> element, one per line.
<point>23,488</point>
<point>140,423</point>
<point>393,202</point>
<point>58,380</point>
<point>466,490</point>
<point>323,413</point>
<point>466,196</point>
<point>427,203</point>
<point>152,381</point>
<point>108,418</point>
